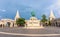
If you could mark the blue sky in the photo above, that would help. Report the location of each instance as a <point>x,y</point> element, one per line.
<point>8,8</point>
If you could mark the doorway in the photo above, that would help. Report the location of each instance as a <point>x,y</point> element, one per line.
<point>8,24</point>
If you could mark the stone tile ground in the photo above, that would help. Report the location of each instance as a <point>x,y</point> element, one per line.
<point>46,30</point>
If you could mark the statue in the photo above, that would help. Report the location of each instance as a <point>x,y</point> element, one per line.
<point>33,14</point>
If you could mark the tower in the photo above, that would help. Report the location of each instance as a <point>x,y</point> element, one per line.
<point>51,17</point>
<point>17,15</point>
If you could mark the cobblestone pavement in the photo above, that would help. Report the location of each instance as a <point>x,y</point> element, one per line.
<point>45,30</point>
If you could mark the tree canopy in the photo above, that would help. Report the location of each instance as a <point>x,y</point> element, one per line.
<point>43,18</point>
<point>20,22</point>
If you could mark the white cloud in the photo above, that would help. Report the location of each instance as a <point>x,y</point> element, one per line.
<point>55,5</point>
<point>2,10</point>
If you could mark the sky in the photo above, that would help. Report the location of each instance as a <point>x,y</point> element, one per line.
<point>8,8</point>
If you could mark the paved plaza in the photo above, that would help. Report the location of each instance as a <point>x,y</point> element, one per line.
<point>23,32</point>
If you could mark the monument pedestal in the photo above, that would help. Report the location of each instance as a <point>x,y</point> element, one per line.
<point>34,27</point>
<point>33,23</point>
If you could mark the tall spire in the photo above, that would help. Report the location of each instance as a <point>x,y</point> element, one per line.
<point>51,15</point>
<point>17,15</point>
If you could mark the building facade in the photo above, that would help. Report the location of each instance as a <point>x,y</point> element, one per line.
<point>33,22</point>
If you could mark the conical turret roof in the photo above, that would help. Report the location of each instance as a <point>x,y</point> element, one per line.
<point>17,15</point>
<point>52,14</point>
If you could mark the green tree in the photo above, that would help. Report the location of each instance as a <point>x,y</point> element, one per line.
<point>49,23</point>
<point>20,22</point>
<point>43,20</point>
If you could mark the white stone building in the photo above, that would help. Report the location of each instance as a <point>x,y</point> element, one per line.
<point>33,22</point>
<point>9,22</point>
